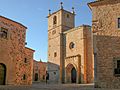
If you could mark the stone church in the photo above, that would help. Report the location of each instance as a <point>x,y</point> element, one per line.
<point>70,51</point>
<point>106,38</point>
<point>16,60</point>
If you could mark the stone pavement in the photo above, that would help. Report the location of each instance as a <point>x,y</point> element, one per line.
<point>39,86</point>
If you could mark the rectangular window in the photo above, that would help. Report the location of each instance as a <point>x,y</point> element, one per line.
<point>117,67</point>
<point>118,63</point>
<point>118,22</point>
<point>24,77</point>
<point>25,60</point>
<point>55,54</point>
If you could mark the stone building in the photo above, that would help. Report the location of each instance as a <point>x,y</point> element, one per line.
<point>106,37</point>
<point>69,49</point>
<point>39,71</point>
<point>16,60</point>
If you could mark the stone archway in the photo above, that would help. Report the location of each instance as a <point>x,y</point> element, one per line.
<point>2,74</point>
<point>71,74</point>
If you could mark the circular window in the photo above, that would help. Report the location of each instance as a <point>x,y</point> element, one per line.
<point>72,45</point>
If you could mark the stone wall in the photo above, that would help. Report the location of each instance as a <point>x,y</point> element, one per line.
<point>43,68</point>
<point>54,72</point>
<point>106,41</point>
<point>39,68</point>
<point>13,53</point>
<point>81,37</point>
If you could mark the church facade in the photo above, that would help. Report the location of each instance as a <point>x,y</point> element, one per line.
<point>70,57</point>
<point>16,60</point>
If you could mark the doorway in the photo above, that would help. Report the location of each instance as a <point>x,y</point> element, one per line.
<point>73,75</point>
<point>2,74</point>
<point>36,76</point>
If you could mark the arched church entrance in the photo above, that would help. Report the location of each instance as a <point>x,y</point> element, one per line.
<point>2,74</point>
<point>71,74</point>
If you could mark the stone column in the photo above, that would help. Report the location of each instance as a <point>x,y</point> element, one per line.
<point>79,70</point>
<point>62,61</point>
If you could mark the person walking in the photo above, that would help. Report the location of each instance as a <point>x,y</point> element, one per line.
<point>47,77</point>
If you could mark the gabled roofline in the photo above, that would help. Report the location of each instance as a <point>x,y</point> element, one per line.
<point>102,2</point>
<point>13,21</point>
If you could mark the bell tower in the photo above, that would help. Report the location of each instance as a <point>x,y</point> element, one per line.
<point>58,22</point>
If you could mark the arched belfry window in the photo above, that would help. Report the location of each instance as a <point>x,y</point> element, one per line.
<point>55,20</point>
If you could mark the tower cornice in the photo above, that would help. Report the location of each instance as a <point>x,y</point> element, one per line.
<point>58,11</point>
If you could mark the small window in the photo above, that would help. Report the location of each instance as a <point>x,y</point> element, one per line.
<point>55,54</point>
<point>68,16</point>
<point>118,22</point>
<point>117,67</point>
<point>55,20</point>
<point>4,33</point>
<point>24,77</point>
<point>25,60</point>
<point>118,63</point>
<point>72,45</point>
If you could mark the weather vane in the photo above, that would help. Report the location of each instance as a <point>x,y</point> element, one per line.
<point>73,10</point>
<point>61,5</point>
<point>49,11</point>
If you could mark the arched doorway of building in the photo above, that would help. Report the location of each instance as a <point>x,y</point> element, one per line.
<point>2,74</point>
<point>36,76</point>
<point>73,75</point>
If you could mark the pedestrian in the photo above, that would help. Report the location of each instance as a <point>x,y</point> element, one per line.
<point>47,77</point>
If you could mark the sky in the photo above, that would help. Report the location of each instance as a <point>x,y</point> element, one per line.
<point>32,14</point>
